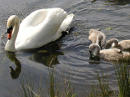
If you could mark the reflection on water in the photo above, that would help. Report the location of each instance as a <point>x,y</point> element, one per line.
<point>120,2</point>
<point>47,55</point>
<point>71,56</point>
<point>14,72</point>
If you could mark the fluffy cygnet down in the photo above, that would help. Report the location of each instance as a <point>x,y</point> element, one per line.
<point>98,37</point>
<point>112,54</point>
<point>123,45</point>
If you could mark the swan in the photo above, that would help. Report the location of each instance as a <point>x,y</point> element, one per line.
<point>98,37</point>
<point>112,54</point>
<point>123,45</point>
<point>37,29</point>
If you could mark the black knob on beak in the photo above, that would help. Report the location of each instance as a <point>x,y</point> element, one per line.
<point>9,29</point>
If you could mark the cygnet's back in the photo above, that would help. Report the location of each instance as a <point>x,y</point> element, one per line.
<point>98,37</point>
<point>123,45</point>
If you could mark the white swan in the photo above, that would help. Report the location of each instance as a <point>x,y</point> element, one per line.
<point>37,29</point>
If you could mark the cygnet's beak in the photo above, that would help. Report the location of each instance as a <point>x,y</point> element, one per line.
<point>89,42</point>
<point>93,55</point>
<point>90,54</point>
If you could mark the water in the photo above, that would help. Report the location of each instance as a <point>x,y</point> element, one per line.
<point>68,57</point>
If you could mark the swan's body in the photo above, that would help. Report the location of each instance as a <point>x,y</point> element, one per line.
<point>37,29</point>
<point>112,54</point>
<point>98,37</point>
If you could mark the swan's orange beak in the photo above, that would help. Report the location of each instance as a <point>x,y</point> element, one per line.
<point>9,36</point>
<point>9,32</point>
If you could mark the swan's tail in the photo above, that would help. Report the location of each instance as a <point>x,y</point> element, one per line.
<point>67,21</point>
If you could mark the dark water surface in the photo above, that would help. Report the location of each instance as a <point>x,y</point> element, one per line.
<point>68,57</point>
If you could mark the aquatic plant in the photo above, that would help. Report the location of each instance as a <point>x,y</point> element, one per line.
<point>123,78</point>
<point>28,89</point>
<point>102,89</point>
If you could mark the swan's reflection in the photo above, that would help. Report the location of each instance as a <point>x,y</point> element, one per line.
<point>14,72</point>
<point>119,2</point>
<point>47,55</point>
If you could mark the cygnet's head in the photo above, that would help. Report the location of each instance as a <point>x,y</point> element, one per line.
<point>113,42</point>
<point>94,50</point>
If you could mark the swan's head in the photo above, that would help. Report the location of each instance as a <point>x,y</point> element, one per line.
<point>113,42</point>
<point>94,50</point>
<point>11,23</point>
<point>12,30</point>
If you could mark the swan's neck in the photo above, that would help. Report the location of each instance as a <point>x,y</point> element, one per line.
<point>10,45</point>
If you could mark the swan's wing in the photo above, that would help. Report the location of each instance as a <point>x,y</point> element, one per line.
<point>37,34</point>
<point>34,18</point>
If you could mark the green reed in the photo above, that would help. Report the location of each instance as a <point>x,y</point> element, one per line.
<point>28,89</point>
<point>102,89</point>
<point>123,78</point>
